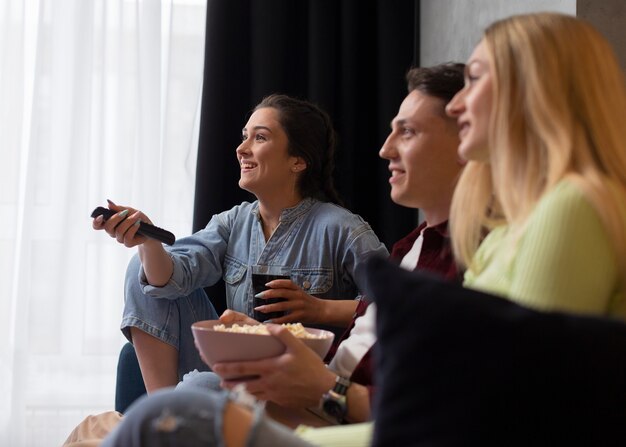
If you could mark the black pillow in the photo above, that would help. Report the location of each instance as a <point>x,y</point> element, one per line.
<point>457,367</point>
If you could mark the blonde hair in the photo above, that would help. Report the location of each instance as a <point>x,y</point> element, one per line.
<point>559,104</point>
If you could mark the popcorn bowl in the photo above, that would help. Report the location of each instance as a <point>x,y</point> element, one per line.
<point>221,346</point>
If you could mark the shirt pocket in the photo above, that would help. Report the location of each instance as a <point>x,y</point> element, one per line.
<point>314,281</point>
<point>234,270</point>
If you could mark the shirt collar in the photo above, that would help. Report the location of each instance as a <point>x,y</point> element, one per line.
<point>441,229</point>
<point>289,214</point>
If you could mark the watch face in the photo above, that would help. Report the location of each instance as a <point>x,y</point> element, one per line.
<point>335,405</point>
<point>333,408</point>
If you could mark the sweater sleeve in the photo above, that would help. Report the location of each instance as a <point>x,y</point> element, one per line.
<point>565,260</point>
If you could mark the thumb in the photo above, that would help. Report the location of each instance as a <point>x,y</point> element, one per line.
<point>227,316</point>
<point>284,335</point>
<point>231,316</point>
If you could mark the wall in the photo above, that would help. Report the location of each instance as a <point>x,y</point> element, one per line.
<point>451,28</point>
<point>609,17</point>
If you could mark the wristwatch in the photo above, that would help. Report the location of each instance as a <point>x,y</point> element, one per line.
<point>334,401</point>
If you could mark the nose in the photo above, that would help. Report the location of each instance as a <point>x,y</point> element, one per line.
<point>242,149</point>
<point>456,106</point>
<point>388,151</point>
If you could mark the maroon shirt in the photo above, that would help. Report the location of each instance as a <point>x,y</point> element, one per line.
<point>436,257</point>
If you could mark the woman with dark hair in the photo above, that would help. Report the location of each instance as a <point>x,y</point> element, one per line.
<point>286,159</point>
<point>306,141</point>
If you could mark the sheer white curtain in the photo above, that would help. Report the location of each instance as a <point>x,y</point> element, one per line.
<point>98,99</point>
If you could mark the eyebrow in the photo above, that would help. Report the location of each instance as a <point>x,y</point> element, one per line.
<point>258,128</point>
<point>400,122</point>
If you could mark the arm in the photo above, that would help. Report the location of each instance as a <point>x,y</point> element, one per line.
<point>157,264</point>
<point>338,312</point>
<point>296,379</point>
<point>358,403</point>
<point>197,261</point>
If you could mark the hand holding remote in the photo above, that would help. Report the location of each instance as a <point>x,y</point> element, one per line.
<point>145,229</point>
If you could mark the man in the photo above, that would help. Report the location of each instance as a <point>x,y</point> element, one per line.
<point>422,153</point>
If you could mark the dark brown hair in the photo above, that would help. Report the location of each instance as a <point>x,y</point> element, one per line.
<point>441,81</point>
<point>311,136</point>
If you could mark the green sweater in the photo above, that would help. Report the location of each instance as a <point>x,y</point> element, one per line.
<point>563,260</point>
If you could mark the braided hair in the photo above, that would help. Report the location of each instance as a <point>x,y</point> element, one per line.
<point>311,136</point>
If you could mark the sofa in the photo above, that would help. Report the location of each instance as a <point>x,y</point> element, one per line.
<point>458,367</point>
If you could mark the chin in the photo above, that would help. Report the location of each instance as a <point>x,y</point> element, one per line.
<point>245,186</point>
<point>405,202</point>
<point>473,152</point>
<point>398,198</point>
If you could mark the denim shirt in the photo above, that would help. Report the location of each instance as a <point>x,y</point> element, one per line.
<point>325,246</point>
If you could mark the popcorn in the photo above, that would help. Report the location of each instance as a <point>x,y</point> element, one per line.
<point>295,328</point>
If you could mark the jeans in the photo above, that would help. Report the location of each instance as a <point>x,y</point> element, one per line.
<point>185,418</point>
<point>169,320</point>
<point>129,384</point>
<point>200,380</point>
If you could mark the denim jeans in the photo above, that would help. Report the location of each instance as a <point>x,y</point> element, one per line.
<point>184,418</point>
<point>200,380</point>
<point>169,320</point>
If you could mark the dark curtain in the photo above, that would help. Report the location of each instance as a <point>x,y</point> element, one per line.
<point>348,56</point>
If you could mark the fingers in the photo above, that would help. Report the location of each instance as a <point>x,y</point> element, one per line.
<point>233,372</point>
<point>123,225</point>
<point>296,304</point>
<point>98,223</point>
<point>289,301</point>
<point>126,230</point>
<point>254,386</point>
<point>287,318</point>
<point>287,294</point>
<point>284,335</point>
<point>282,284</point>
<point>231,316</point>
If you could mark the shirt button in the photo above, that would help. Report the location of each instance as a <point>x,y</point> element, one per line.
<point>306,285</point>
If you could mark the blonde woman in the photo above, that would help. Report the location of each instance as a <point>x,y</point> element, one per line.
<point>541,121</point>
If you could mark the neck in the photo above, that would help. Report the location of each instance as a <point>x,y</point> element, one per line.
<point>270,210</point>
<point>434,217</point>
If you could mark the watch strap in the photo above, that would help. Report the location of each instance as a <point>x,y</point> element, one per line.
<point>341,385</point>
<point>334,404</point>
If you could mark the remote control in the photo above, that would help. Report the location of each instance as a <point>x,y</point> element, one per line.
<point>145,228</point>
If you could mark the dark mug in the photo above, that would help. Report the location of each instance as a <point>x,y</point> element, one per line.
<point>261,275</point>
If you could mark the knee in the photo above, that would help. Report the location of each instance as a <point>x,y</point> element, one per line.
<point>200,380</point>
<point>166,416</point>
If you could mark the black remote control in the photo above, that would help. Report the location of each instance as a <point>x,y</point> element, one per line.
<point>145,228</point>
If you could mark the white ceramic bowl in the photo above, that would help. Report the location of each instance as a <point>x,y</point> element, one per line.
<point>218,346</point>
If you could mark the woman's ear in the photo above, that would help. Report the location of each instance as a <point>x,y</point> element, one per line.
<point>299,165</point>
